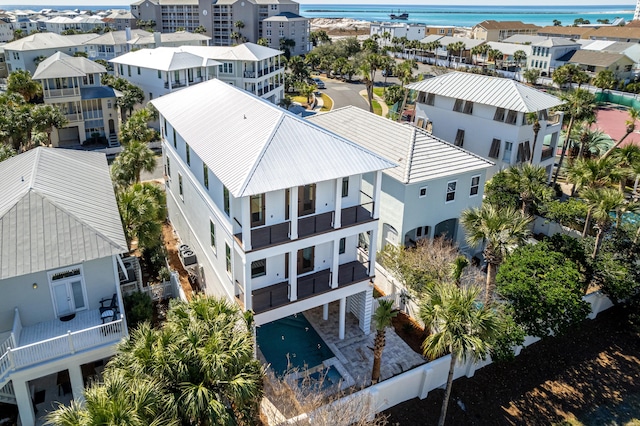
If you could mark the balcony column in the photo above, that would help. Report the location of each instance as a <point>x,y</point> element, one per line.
<point>377,187</point>
<point>335,265</point>
<point>293,213</point>
<point>343,317</point>
<point>373,242</point>
<point>77,383</point>
<point>246,223</point>
<point>23,400</point>
<point>248,287</point>
<point>293,276</point>
<point>337,216</point>
<point>325,311</point>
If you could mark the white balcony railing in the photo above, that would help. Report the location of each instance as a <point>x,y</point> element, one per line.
<point>62,93</point>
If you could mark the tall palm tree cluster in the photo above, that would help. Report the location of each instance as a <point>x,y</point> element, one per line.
<point>198,369</point>
<point>23,122</point>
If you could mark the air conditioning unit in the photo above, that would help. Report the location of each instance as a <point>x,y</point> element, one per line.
<point>188,257</point>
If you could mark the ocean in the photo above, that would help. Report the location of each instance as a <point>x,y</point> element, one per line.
<point>468,16</point>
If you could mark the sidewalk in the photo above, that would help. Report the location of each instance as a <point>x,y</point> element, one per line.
<point>383,104</point>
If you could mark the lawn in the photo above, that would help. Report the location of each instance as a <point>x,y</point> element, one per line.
<point>327,103</point>
<point>379,91</point>
<point>590,376</point>
<point>377,109</point>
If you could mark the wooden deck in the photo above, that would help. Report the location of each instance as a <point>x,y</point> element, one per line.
<point>267,236</point>
<point>277,295</point>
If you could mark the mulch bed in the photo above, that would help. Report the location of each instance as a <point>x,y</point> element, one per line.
<point>171,244</point>
<point>594,365</point>
<point>410,331</point>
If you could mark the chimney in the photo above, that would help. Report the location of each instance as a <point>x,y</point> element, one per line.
<point>127,32</point>
<point>157,39</point>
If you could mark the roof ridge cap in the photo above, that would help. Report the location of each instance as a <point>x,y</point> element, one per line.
<point>410,150</point>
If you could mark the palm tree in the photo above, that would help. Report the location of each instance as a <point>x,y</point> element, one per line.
<point>601,203</point>
<point>137,127</point>
<point>533,118</point>
<point>457,269</point>
<point>20,82</point>
<point>625,159</point>
<point>367,70</point>
<point>578,104</point>
<point>481,49</point>
<point>405,75</point>
<point>591,173</point>
<point>493,55</point>
<point>500,229</point>
<point>519,56</point>
<point>6,151</point>
<point>459,325</point>
<point>142,209</point>
<point>382,319</point>
<point>605,80</point>
<point>46,117</point>
<point>531,182</point>
<point>135,158</point>
<point>592,142</point>
<point>634,115</point>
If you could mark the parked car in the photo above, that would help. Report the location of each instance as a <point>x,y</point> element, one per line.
<point>318,83</point>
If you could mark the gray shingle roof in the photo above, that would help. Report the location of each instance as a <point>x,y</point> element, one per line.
<point>481,89</point>
<point>57,208</point>
<point>420,155</point>
<point>253,146</point>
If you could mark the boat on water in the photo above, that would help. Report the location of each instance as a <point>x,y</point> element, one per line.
<point>399,16</point>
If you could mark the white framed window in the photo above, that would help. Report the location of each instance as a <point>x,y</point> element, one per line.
<point>68,291</point>
<point>506,156</point>
<point>227,253</point>
<point>451,191</point>
<point>475,186</point>
<point>459,138</point>
<point>180,186</point>
<point>212,236</point>
<point>494,151</point>
<point>422,192</point>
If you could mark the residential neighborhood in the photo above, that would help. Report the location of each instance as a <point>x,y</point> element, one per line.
<point>223,213</point>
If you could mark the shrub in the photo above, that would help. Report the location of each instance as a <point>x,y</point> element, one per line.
<point>138,308</point>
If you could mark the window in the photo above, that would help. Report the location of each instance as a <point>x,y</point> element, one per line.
<point>180,186</point>
<point>188,152</point>
<point>306,260</point>
<point>257,209</point>
<point>451,191</point>
<point>138,70</point>
<point>342,246</point>
<point>475,186</point>
<point>227,253</point>
<point>523,152</point>
<point>457,106</point>
<point>306,199</point>
<point>431,99</point>
<point>225,68</point>
<point>129,70</point>
<point>159,74</point>
<point>459,138</point>
<point>494,152</point>
<point>205,175</point>
<point>468,107</point>
<point>150,96</point>
<point>212,234</point>
<point>225,196</point>
<point>506,156</point>
<point>168,167</point>
<point>419,231</point>
<point>345,187</point>
<point>175,139</point>
<point>423,192</point>
<point>259,268</point>
<point>512,117</point>
<point>499,115</point>
<point>68,291</point>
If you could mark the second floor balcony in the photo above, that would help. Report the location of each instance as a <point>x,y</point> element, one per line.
<point>66,92</point>
<point>547,152</point>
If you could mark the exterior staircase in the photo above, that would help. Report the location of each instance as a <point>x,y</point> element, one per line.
<point>6,387</point>
<point>113,141</point>
<point>7,394</point>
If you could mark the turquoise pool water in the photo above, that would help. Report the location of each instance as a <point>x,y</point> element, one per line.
<point>292,340</point>
<point>323,380</point>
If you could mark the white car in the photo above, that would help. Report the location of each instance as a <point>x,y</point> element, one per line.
<point>318,83</point>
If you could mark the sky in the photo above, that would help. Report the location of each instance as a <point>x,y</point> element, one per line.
<point>631,4</point>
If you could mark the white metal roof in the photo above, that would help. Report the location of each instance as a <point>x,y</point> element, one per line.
<point>60,65</point>
<point>177,37</point>
<point>253,146</point>
<point>164,59</point>
<point>420,155</point>
<point>57,208</point>
<point>39,41</point>
<point>481,89</point>
<point>510,48</point>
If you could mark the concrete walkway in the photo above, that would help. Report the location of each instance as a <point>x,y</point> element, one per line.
<point>383,104</point>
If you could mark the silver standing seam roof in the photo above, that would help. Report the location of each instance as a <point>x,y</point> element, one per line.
<point>481,89</point>
<point>61,65</point>
<point>57,208</point>
<point>420,155</point>
<point>253,146</point>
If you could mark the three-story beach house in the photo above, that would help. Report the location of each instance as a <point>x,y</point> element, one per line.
<point>272,206</point>
<point>61,308</point>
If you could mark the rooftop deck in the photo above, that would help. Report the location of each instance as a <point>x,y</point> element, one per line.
<point>266,236</point>
<point>319,282</point>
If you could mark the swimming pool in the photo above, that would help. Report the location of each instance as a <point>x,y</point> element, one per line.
<point>322,379</point>
<point>291,342</point>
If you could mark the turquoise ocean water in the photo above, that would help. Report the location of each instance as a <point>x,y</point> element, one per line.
<point>468,16</point>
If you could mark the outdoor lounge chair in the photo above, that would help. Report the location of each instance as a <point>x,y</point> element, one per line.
<point>109,312</point>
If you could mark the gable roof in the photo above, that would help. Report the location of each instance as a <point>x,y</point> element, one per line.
<point>626,33</point>
<point>163,59</point>
<point>491,24</point>
<point>253,146</point>
<point>57,207</point>
<point>113,38</point>
<point>593,57</point>
<point>179,36</point>
<point>61,65</point>
<point>481,89</point>
<point>420,155</point>
<point>39,41</point>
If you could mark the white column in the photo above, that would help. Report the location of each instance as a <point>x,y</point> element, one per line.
<point>337,217</point>
<point>373,243</point>
<point>343,317</point>
<point>23,398</point>
<point>246,223</point>
<point>77,383</point>
<point>335,265</point>
<point>293,213</point>
<point>325,311</point>
<point>377,186</point>
<point>293,275</point>
<point>248,287</point>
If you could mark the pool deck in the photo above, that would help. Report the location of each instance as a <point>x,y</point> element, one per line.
<point>354,354</point>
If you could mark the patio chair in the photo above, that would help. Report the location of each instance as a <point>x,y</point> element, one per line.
<point>112,305</point>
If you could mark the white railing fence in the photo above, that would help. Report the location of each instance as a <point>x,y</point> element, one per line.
<point>159,291</point>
